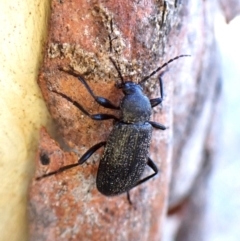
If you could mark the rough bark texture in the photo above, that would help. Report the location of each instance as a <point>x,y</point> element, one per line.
<point>140,36</point>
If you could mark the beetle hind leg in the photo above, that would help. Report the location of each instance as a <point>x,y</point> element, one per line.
<point>152,165</point>
<point>129,198</point>
<point>89,152</point>
<point>83,159</point>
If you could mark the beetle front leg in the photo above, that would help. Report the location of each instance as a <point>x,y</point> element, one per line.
<point>156,101</point>
<point>100,100</point>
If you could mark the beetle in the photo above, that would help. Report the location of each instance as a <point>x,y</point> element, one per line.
<point>126,150</point>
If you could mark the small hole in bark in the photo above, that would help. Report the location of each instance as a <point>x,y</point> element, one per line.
<point>44,158</point>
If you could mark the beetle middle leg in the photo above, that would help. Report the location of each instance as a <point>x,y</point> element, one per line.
<point>94,116</point>
<point>157,125</point>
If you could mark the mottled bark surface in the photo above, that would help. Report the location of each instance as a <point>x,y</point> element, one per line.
<point>139,36</point>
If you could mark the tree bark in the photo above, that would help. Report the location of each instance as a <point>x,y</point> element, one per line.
<point>140,36</point>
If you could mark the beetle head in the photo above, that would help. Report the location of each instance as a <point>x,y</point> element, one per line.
<point>129,88</point>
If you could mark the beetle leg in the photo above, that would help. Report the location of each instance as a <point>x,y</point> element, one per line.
<point>156,101</point>
<point>152,165</point>
<point>100,100</point>
<point>62,169</point>
<point>157,125</point>
<point>80,161</point>
<point>88,153</point>
<point>128,197</point>
<point>94,117</point>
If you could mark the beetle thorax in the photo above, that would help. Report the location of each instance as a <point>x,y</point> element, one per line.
<point>135,106</point>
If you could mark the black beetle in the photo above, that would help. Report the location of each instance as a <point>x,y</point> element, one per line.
<point>126,150</point>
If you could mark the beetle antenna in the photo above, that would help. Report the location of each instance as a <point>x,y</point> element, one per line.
<point>164,65</point>
<point>119,73</point>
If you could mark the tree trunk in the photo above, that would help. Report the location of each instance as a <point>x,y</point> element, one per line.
<point>140,36</point>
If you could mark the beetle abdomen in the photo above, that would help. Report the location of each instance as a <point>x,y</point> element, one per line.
<point>124,159</point>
